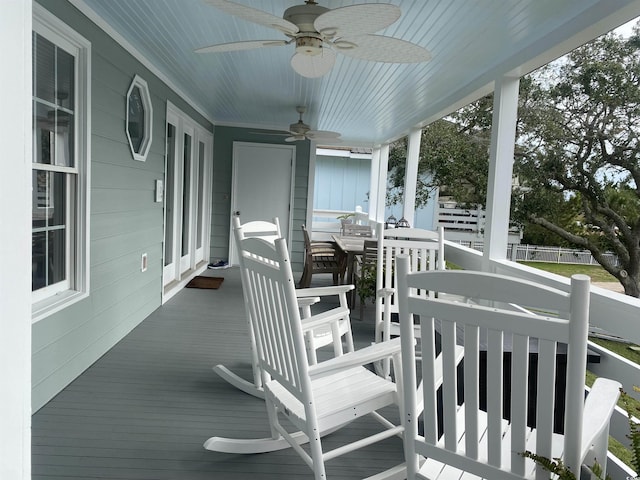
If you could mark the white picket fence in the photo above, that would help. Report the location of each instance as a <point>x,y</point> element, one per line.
<point>536,253</point>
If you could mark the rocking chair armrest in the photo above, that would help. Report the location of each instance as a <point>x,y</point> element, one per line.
<point>323,291</point>
<point>598,408</point>
<point>307,301</point>
<point>324,318</point>
<point>385,292</point>
<point>364,356</point>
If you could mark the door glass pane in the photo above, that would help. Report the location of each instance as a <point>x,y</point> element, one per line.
<point>200,214</point>
<point>186,195</point>
<point>169,190</point>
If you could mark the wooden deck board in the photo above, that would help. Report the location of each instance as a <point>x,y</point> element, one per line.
<point>146,407</point>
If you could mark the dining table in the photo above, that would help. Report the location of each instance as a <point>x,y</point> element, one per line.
<point>351,246</point>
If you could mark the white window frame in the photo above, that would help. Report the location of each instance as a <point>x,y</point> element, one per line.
<point>142,86</point>
<point>75,287</point>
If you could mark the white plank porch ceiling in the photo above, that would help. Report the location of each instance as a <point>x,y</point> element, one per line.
<point>472,42</point>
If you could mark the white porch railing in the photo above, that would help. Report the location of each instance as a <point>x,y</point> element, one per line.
<point>612,312</point>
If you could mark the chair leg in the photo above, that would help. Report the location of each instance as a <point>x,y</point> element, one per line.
<point>305,280</point>
<point>311,348</point>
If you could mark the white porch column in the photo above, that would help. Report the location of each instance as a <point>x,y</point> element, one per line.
<point>411,176</point>
<point>505,115</point>
<point>373,184</point>
<point>383,166</point>
<point>15,241</point>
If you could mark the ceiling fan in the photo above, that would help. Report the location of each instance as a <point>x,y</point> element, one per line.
<point>319,32</point>
<point>301,131</point>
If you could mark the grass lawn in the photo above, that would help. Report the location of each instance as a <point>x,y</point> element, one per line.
<point>596,272</point>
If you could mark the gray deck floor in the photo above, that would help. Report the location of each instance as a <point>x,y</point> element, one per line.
<point>144,410</point>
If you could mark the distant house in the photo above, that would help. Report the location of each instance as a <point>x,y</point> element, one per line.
<point>342,182</point>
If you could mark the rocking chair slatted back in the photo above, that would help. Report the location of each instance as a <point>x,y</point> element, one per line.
<point>278,325</point>
<point>425,250</point>
<point>476,311</point>
<point>316,399</point>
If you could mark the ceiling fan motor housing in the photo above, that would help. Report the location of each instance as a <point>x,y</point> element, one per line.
<point>308,40</point>
<point>309,45</point>
<point>299,128</point>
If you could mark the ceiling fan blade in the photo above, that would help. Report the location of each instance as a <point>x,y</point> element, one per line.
<point>320,134</point>
<point>357,19</point>
<point>283,134</point>
<point>313,66</point>
<point>236,46</point>
<point>254,15</point>
<point>378,48</point>
<point>295,138</point>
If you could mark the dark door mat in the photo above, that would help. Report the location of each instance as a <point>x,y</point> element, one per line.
<point>205,282</point>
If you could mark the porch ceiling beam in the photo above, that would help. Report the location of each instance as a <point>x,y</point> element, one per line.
<point>503,132</point>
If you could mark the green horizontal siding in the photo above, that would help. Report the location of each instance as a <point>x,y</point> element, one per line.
<point>125,222</point>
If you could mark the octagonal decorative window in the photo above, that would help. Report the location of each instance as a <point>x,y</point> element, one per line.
<point>139,118</point>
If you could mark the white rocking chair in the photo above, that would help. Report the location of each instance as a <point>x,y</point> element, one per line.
<point>485,444</point>
<point>307,394</point>
<point>315,339</point>
<point>425,249</point>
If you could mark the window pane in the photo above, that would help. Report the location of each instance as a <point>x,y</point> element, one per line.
<point>49,223</point>
<point>57,199</point>
<point>64,139</point>
<point>44,133</point>
<point>57,256</point>
<point>49,199</point>
<point>66,81</point>
<point>40,199</point>
<point>38,260</point>
<point>136,119</point>
<point>48,264</point>
<point>44,69</point>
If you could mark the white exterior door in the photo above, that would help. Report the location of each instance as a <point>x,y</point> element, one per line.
<point>186,197</point>
<point>262,185</point>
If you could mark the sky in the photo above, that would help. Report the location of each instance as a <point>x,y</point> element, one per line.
<point>626,29</point>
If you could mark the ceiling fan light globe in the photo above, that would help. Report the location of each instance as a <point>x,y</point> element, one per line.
<point>313,66</point>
